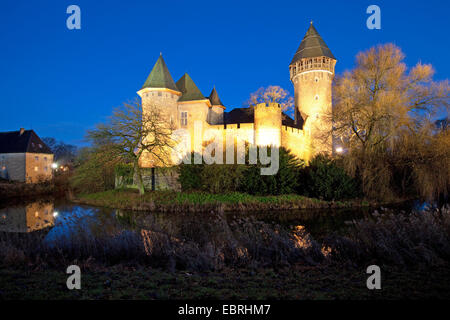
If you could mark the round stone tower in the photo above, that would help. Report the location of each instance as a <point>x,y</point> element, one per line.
<point>312,73</point>
<point>159,91</point>
<point>267,124</point>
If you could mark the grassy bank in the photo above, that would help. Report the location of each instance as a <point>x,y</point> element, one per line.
<point>170,201</point>
<point>296,282</point>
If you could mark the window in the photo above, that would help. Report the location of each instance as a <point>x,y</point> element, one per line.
<point>40,145</point>
<point>45,158</point>
<point>159,94</point>
<point>36,158</point>
<point>184,118</point>
<point>45,169</point>
<point>36,169</point>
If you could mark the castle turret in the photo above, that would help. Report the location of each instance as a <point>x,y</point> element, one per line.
<point>159,91</point>
<point>215,115</point>
<point>312,73</point>
<point>267,124</point>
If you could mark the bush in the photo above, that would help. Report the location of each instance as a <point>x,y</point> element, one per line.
<point>324,179</point>
<point>418,238</point>
<point>285,181</point>
<point>190,176</point>
<point>94,171</point>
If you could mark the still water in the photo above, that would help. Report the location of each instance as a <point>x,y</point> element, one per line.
<point>57,220</point>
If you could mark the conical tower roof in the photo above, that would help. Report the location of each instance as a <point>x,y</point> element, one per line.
<point>312,46</point>
<point>190,92</point>
<point>214,98</point>
<point>160,77</point>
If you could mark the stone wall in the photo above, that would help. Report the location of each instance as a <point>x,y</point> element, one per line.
<point>12,166</point>
<point>38,167</point>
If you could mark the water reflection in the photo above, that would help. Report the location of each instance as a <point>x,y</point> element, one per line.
<point>63,219</point>
<point>27,218</point>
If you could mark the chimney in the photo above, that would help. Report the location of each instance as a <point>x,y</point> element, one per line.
<point>22,130</point>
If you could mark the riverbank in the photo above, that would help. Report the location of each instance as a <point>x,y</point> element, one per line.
<point>171,201</point>
<point>294,283</point>
<point>16,192</point>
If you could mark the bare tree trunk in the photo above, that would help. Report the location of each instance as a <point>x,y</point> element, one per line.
<point>138,173</point>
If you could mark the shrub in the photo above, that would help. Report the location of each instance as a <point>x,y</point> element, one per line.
<point>419,238</point>
<point>214,178</point>
<point>190,176</point>
<point>124,174</point>
<point>285,181</point>
<point>324,179</point>
<point>94,170</point>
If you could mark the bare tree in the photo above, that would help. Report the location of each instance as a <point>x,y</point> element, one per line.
<point>133,132</point>
<point>274,94</point>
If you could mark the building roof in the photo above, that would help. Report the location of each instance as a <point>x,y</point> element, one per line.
<point>190,92</point>
<point>160,77</point>
<point>28,141</point>
<point>214,98</point>
<point>246,115</point>
<point>312,46</point>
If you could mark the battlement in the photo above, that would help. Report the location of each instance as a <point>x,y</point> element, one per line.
<point>264,105</point>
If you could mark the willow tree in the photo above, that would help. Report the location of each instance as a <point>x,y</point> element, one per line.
<point>132,132</point>
<point>379,104</point>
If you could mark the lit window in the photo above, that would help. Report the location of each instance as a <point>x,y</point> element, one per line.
<point>36,169</point>
<point>184,118</point>
<point>36,158</point>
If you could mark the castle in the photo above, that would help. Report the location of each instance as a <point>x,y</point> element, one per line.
<point>311,72</point>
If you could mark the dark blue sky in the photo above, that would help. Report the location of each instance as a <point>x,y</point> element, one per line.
<point>61,82</point>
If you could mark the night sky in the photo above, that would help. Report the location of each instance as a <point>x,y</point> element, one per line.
<point>61,82</point>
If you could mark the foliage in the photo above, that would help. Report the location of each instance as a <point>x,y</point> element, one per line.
<point>324,179</point>
<point>190,176</point>
<point>419,238</point>
<point>94,170</point>
<point>133,133</point>
<point>382,114</point>
<point>124,172</point>
<point>285,181</point>
<point>223,178</point>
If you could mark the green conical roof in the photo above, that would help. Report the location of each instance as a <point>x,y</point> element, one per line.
<point>190,92</point>
<point>214,98</point>
<point>160,77</point>
<point>312,46</point>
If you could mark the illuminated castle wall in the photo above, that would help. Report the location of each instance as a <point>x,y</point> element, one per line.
<point>311,72</point>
